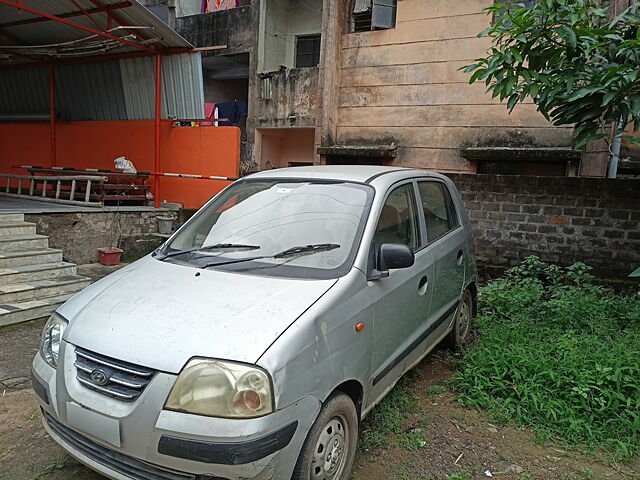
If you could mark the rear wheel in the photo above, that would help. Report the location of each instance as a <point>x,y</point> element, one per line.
<point>330,447</point>
<point>462,325</point>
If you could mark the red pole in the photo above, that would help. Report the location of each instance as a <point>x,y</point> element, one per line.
<point>156,180</point>
<point>52,113</point>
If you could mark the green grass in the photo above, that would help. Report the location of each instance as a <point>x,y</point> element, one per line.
<point>390,417</point>
<point>54,467</point>
<point>459,476</point>
<point>436,389</point>
<point>558,354</point>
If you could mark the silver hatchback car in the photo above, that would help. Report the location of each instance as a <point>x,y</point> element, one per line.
<point>252,343</point>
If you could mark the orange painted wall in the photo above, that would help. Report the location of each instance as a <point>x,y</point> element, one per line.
<point>192,150</point>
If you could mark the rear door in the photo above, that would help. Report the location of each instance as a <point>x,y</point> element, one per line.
<point>446,242</point>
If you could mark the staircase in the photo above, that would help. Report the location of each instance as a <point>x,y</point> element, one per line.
<point>34,280</point>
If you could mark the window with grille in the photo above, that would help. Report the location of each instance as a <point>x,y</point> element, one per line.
<point>373,15</point>
<point>308,51</point>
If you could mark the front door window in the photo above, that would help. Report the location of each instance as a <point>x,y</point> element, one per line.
<point>398,221</point>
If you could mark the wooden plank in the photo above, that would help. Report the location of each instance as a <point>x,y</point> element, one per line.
<point>455,137</point>
<point>409,10</point>
<point>466,49</point>
<point>497,115</point>
<point>429,29</point>
<point>425,73</point>
<point>407,95</point>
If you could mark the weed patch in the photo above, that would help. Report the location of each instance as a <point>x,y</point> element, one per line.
<point>389,416</point>
<point>558,354</point>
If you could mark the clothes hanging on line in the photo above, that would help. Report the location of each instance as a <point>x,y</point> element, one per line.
<point>209,6</point>
<point>210,114</point>
<point>232,111</point>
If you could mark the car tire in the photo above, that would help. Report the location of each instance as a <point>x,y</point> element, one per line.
<point>459,334</point>
<point>330,447</point>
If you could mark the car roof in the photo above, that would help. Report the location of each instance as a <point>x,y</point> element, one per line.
<point>348,173</point>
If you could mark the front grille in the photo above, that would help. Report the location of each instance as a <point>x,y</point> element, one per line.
<point>116,461</point>
<point>111,377</point>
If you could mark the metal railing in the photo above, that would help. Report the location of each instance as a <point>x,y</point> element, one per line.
<point>69,189</point>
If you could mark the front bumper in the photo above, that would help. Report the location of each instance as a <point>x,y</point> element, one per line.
<point>159,444</point>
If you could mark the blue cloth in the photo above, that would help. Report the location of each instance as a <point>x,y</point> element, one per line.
<point>243,108</point>
<point>228,110</point>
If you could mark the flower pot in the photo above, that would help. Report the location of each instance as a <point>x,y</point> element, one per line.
<point>109,256</point>
<point>165,225</point>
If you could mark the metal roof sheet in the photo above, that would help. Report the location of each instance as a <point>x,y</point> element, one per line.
<point>24,91</point>
<point>131,13</point>
<point>99,90</point>
<point>90,91</point>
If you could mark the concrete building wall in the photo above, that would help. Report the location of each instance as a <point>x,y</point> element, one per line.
<point>283,21</point>
<point>285,147</point>
<point>404,86</point>
<point>273,46</point>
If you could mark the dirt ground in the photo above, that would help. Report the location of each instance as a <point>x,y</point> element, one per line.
<point>457,440</point>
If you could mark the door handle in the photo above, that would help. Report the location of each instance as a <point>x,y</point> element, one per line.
<point>423,284</point>
<point>460,258</point>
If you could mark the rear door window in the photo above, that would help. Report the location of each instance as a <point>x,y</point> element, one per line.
<point>438,209</point>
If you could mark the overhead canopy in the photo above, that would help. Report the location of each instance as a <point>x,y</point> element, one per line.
<point>58,30</point>
<point>92,49</point>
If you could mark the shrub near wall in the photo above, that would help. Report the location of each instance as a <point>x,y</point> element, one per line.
<point>562,220</point>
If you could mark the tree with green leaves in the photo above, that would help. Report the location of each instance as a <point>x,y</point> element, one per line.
<point>577,64</point>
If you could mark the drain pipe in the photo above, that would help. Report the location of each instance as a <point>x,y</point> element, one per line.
<point>612,171</point>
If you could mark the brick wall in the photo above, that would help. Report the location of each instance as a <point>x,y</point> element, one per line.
<point>560,219</point>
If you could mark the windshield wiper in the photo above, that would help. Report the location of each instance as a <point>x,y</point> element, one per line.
<point>217,246</point>
<point>318,247</point>
<point>289,252</point>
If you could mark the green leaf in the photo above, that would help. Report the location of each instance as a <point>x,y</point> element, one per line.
<point>477,74</point>
<point>516,54</point>
<point>607,98</point>
<point>581,93</point>
<point>534,89</point>
<point>569,35</point>
<point>513,100</point>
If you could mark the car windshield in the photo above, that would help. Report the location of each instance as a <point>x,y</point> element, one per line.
<point>291,228</point>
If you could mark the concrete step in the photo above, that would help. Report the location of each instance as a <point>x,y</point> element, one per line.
<point>11,217</point>
<point>30,257</point>
<point>22,292</point>
<point>17,228</point>
<point>12,243</point>
<point>31,273</point>
<point>30,310</point>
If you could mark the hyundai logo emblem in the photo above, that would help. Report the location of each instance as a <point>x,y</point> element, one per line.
<point>99,377</point>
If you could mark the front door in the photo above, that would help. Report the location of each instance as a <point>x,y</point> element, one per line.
<point>402,300</point>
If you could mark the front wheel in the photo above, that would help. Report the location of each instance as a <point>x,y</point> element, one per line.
<point>330,447</point>
<point>462,325</point>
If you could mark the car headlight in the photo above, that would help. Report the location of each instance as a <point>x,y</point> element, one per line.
<point>222,389</point>
<point>51,338</point>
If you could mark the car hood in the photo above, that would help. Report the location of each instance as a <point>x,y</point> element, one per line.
<point>160,315</point>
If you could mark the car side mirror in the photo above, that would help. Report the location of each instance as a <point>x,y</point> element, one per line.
<point>391,256</point>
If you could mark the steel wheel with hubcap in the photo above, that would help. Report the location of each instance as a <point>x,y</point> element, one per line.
<point>329,450</point>
<point>464,318</point>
